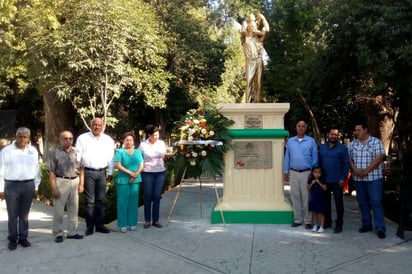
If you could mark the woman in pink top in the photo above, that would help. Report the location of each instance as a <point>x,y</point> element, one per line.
<point>153,174</point>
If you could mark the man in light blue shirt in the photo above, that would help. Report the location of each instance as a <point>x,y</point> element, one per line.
<point>300,156</point>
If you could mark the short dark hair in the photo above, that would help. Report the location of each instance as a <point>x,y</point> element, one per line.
<point>316,167</point>
<point>332,128</point>
<point>363,124</point>
<point>150,129</point>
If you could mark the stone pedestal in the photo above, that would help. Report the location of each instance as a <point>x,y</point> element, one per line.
<point>253,180</point>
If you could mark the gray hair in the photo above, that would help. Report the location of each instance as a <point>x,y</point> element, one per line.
<point>23,130</point>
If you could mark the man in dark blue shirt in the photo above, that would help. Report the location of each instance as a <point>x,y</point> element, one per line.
<point>334,160</point>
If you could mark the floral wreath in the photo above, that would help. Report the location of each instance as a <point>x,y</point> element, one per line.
<point>204,138</point>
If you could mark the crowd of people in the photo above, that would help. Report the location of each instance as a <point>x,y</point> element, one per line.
<point>85,166</point>
<point>316,173</point>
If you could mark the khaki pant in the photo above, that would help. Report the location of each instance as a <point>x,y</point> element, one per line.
<point>300,196</point>
<point>69,197</point>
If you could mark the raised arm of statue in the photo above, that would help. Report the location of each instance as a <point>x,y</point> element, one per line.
<point>261,20</point>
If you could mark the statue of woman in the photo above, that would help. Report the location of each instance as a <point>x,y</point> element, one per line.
<point>252,35</point>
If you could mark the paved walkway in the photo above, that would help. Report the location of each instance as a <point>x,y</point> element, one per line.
<point>191,244</point>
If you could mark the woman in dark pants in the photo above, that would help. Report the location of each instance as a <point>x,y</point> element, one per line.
<point>153,174</point>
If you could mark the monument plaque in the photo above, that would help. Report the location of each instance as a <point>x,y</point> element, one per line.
<point>253,121</point>
<point>253,154</point>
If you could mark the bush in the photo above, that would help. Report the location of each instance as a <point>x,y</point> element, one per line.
<point>44,193</point>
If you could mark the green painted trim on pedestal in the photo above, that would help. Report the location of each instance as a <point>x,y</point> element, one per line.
<point>252,217</point>
<point>253,133</point>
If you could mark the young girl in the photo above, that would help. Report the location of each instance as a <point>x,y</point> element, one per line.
<point>317,203</point>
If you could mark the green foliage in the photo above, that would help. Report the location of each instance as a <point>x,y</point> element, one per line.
<point>12,67</point>
<point>44,192</point>
<point>368,54</point>
<point>111,202</point>
<point>196,55</point>
<point>88,52</point>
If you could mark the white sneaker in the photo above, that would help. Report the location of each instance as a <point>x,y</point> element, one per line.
<point>133,228</point>
<point>320,230</point>
<point>315,228</point>
<point>123,229</point>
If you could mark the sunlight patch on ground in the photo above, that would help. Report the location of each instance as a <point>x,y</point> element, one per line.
<point>39,216</point>
<point>215,230</point>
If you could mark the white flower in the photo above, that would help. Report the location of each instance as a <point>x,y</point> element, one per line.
<point>203,153</point>
<point>194,154</point>
<point>192,162</point>
<point>191,131</point>
<point>211,133</point>
<point>196,121</point>
<point>203,131</point>
<point>190,138</point>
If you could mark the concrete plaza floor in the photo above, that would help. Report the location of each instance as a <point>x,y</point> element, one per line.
<point>191,244</point>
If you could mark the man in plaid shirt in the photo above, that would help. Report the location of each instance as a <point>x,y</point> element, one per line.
<point>366,154</point>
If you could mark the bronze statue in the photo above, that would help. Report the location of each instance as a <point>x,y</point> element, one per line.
<point>252,34</point>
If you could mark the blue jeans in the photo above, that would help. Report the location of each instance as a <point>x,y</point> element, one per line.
<point>94,195</point>
<point>152,187</point>
<point>337,192</point>
<point>18,196</point>
<point>369,196</point>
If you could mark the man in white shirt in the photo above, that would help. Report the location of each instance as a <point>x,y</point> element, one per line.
<point>96,151</point>
<point>19,181</point>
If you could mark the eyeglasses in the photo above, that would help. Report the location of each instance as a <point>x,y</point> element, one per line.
<point>68,138</point>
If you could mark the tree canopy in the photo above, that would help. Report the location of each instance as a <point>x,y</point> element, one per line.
<point>88,52</point>
<point>151,61</point>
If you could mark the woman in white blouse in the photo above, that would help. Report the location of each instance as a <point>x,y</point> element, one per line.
<point>153,174</point>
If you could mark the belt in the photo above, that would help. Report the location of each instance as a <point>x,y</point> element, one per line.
<point>300,170</point>
<point>66,177</point>
<point>95,169</point>
<point>19,181</point>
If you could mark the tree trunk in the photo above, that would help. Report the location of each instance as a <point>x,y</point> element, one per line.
<point>316,133</point>
<point>58,116</point>
<point>381,120</point>
<point>160,122</point>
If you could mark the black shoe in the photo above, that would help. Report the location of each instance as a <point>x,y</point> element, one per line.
<point>24,243</point>
<point>75,236</point>
<point>295,225</point>
<point>157,224</point>
<point>89,231</point>
<point>12,245</point>
<point>102,229</point>
<point>381,235</point>
<point>58,239</point>
<point>146,225</point>
<point>327,226</point>
<point>308,226</point>
<point>338,229</point>
<point>364,229</point>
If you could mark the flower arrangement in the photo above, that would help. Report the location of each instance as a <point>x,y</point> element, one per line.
<point>203,141</point>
